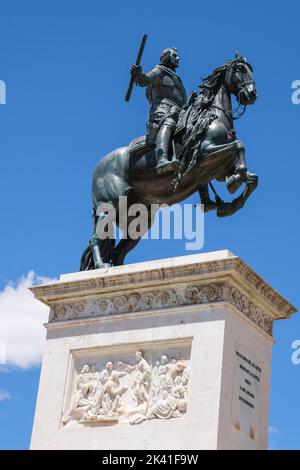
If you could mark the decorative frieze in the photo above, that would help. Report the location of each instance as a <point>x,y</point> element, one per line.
<point>165,272</point>
<point>163,298</point>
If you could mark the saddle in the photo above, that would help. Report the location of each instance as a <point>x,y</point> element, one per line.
<point>141,145</point>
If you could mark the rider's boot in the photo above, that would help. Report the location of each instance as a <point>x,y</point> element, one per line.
<point>162,150</point>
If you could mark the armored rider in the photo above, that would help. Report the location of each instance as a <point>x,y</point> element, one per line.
<point>166,94</point>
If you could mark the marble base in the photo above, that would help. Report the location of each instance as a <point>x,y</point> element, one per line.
<point>169,354</point>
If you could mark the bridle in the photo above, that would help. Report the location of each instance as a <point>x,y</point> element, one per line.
<point>228,78</point>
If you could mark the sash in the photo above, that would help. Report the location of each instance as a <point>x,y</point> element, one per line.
<point>177,80</point>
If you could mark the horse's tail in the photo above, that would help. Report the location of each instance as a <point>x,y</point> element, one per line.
<point>106,247</point>
<point>87,261</point>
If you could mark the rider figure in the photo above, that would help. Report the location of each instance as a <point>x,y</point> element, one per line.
<point>166,94</point>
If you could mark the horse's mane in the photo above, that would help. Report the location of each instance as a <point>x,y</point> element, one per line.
<point>200,117</point>
<point>211,84</point>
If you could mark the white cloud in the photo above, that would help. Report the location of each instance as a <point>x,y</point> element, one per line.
<point>273,430</point>
<point>4,395</point>
<point>21,322</point>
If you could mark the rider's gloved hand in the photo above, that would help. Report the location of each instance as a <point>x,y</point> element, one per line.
<point>135,70</point>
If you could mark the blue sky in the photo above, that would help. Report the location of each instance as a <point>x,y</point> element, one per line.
<point>66,67</point>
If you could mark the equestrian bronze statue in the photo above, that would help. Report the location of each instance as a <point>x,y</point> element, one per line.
<point>189,142</point>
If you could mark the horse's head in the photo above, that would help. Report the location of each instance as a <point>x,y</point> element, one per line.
<point>239,80</point>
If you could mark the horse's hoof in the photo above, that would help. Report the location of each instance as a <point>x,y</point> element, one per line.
<point>102,266</point>
<point>232,184</point>
<point>252,180</point>
<point>224,209</point>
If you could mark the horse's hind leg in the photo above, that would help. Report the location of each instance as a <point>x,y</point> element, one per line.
<point>91,257</point>
<point>86,262</point>
<point>127,244</point>
<point>101,251</point>
<point>102,241</point>
<point>122,249</point>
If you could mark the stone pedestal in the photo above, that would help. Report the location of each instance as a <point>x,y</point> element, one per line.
<point>169,354</point>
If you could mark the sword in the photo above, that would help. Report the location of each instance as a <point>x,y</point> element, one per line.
<point>137,62</point>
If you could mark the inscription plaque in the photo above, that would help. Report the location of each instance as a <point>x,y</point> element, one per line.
<point>246,392</point>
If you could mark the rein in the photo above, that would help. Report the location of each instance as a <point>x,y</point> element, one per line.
<point>228,78</point>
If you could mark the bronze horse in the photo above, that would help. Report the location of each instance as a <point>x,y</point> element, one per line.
<point>207,147</point>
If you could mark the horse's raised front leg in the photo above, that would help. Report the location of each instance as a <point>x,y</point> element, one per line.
<point>225,209</point>
<point>208,204</point>
<point>211,149</point>
<point>234,181</point>
<point>232,149</point>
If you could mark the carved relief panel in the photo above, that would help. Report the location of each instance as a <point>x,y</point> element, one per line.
<point>117,384</point>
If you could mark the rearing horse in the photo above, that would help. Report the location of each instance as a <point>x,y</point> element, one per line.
<point>207,147</point>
